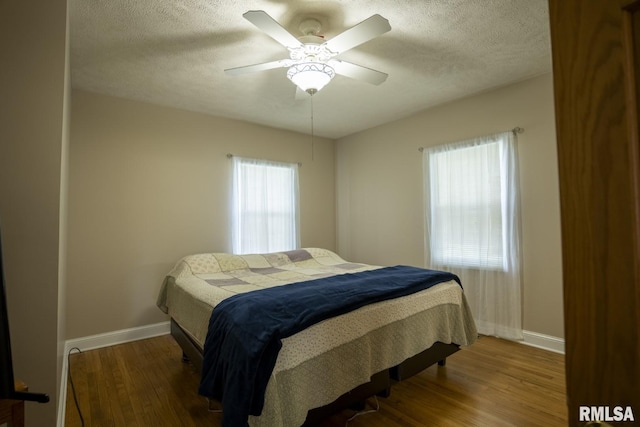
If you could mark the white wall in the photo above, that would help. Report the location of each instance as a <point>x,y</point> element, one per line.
<point>149,185</point>
<point>33,143</point>
<point>379,188</point>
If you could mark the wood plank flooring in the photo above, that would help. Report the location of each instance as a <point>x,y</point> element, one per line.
<point>491,383</point>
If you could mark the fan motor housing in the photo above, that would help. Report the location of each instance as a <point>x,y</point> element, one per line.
<point>313,50</point>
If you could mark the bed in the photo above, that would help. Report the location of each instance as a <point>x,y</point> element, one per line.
<point>334,362</point>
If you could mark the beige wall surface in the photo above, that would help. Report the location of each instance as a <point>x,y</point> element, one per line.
<point>149,185</point>
<point>32,143</point>
<point>379,188</point>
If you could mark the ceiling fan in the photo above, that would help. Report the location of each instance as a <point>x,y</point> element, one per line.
<point>312,63</point>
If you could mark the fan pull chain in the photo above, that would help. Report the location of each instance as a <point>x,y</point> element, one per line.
<point>312,139</point>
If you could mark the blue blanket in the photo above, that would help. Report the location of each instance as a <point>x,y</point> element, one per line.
<point>245,330</point>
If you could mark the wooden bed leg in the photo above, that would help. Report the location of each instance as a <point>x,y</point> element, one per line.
<point>185,358</point>
<point>442,362</point>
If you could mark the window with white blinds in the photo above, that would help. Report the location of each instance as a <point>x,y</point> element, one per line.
<point>466,206</point>
<point>265,206</point>
<point>472,218</point>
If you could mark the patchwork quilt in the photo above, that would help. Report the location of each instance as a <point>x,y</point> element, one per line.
<point>229,274</point>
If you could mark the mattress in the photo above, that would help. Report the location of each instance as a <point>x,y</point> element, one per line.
<point>322,362</point>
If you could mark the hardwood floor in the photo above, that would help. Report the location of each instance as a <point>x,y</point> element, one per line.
<point>491,383</point>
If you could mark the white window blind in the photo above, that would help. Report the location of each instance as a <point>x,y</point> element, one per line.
<point>466,206</point>
<point>265,206</point>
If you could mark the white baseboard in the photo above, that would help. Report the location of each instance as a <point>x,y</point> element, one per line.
<point>117,337</point>
<point>98,341</point>
<point>546,342</point>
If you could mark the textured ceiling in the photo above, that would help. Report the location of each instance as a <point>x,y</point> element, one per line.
<point>174,52</point>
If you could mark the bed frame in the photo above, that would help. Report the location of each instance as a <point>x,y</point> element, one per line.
<point>379,385</point>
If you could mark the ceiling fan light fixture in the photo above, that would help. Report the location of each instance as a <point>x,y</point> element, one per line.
<point>311,76</point>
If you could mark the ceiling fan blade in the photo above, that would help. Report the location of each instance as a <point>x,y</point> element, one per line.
<point>358,72</point>
<point>257,67</point>
<point>366,30</point>
<point>266,23</point>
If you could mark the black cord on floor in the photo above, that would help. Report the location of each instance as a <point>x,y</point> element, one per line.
<point>73,388</point>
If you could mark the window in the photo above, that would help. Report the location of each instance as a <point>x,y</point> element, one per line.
<point>467,203</point>
<point>472,216</point>
<point>265,206</point>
